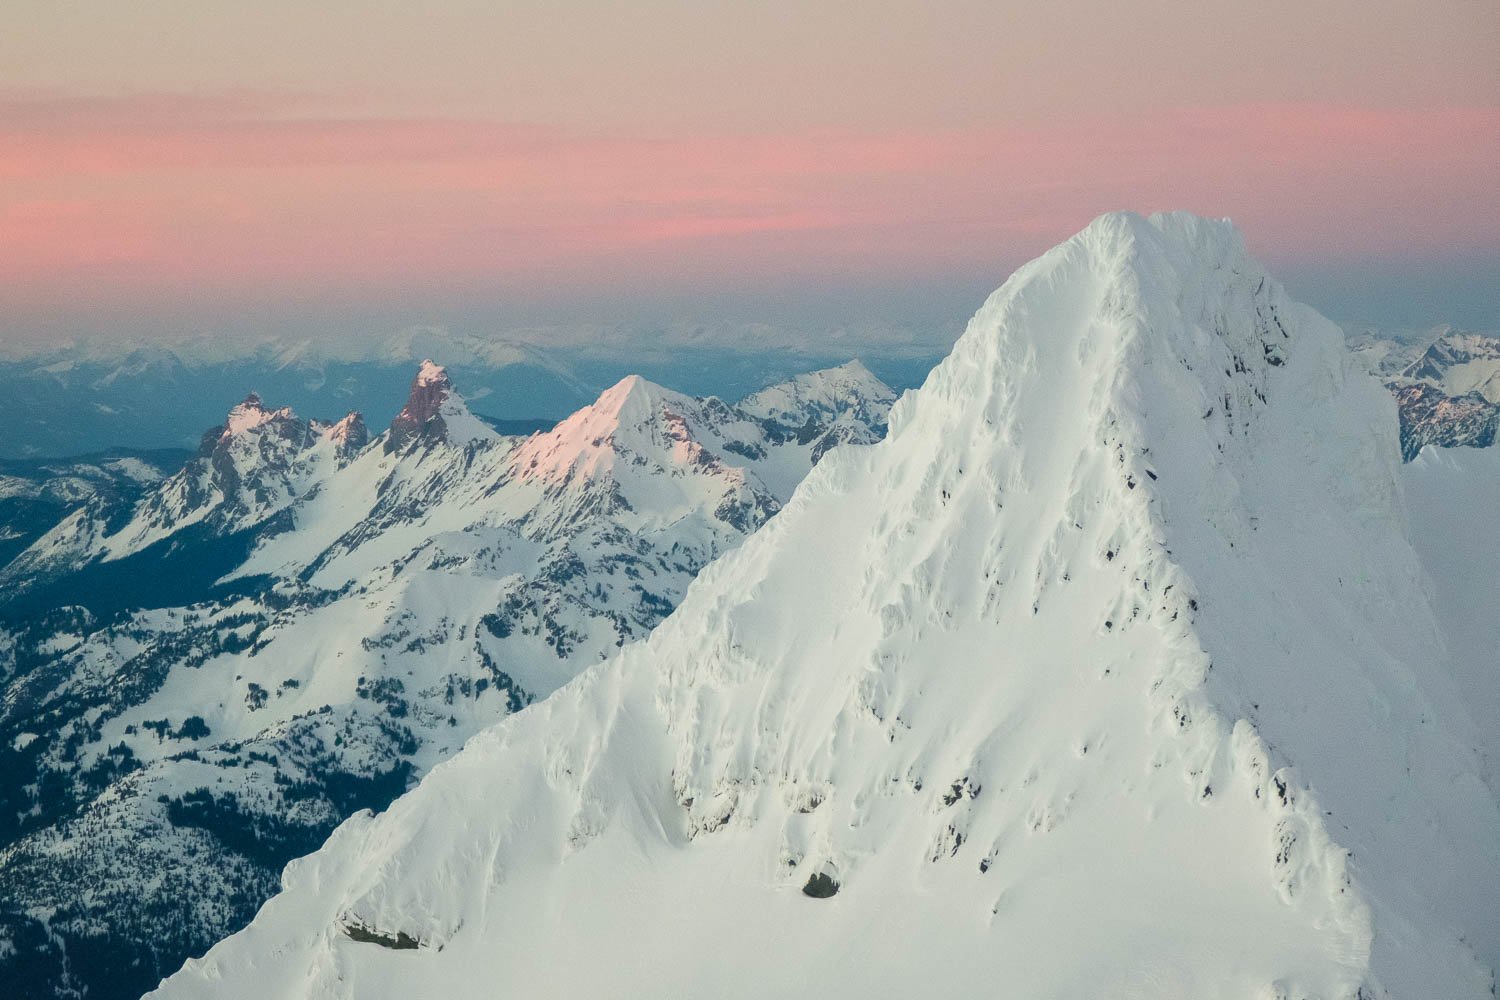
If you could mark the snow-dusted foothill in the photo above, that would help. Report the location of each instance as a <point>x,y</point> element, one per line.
<point>1109,672</point>
<point>304,620</point>
<point>246,472</point>
<point>36,494</point>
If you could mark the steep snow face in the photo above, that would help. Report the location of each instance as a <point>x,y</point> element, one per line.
<point>1109,672</point>
<point>1450,492</point>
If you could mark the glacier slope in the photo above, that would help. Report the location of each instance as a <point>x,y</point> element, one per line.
<point>1108,673</point>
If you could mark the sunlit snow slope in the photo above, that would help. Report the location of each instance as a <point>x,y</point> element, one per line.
<point>1109,673</point>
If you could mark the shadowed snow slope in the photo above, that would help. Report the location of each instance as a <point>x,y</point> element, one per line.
<point>1452,493</point>
<point>1108,673</point>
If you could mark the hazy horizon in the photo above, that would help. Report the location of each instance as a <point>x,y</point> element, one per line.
<point>357,169</point>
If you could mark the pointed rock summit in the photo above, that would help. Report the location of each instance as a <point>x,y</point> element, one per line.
<point>1109,672</point>
<point>421,416</point>
<point>350,434</point>
<point>434,413</point>
<point>247,415</point>
<point>632,415</point>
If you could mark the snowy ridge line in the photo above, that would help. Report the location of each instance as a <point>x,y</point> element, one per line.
<point>1109,672</point>
<point>1309,856</point>
<point>1206,739</point>
<point>1211,741</point>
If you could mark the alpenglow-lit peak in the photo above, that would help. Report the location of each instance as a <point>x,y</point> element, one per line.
<point>252,413</point>
<point>435,413</point>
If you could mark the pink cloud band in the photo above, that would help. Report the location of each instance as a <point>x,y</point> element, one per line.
<point>158,197</point>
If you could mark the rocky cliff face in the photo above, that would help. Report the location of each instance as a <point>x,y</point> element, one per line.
<point>1430,417</point>
<point>1446,384</point>
<point>434,414</point>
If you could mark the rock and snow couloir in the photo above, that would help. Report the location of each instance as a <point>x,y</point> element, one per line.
<point>1110,672</point>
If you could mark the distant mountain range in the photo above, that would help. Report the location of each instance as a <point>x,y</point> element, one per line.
<point>205,669</point>
<point>98,396</point>
<point>95,395</point>
<point>1446,383</point>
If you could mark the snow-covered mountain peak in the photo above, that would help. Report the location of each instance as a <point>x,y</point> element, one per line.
<point>651,457</point>
<point>432,374</point>
<point>633,415</point>
<point>823,397</point>
<point>252,413</point>
<point>350,434</point>
<point>629,400</point>
<point>1109,672</point>
<point>1169,286</point>
<point>435,413</point>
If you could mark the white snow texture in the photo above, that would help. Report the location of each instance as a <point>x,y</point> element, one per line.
<point>1109,673</point>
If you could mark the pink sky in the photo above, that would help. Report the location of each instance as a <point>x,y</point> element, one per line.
<point>267,175</point>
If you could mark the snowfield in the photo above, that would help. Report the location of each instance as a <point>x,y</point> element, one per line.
<point>1110,672</point>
